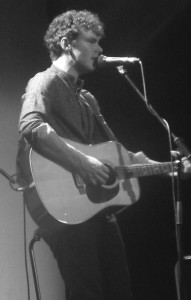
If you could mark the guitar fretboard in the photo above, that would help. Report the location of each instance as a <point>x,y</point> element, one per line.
<point>141,170</point>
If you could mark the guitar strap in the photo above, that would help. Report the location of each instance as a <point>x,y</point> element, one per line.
<point>92,104</point>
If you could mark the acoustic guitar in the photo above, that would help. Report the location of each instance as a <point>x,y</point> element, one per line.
<point>57,196</point>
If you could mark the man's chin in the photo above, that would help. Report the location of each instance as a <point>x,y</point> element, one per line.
<point>88,69</point>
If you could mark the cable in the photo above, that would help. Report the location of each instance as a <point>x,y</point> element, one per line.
<point>14,184</point>
<point>25,250</point>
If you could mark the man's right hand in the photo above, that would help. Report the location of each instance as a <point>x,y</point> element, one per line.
<point>93,171</point>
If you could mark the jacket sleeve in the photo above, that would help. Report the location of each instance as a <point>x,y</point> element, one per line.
<point>36,103</point>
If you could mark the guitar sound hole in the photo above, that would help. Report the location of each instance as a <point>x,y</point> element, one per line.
<point>104,193</point>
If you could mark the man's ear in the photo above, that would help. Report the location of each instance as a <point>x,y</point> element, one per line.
<point>65,44</point>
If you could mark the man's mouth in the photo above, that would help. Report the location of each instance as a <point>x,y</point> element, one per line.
<point>95,61</point>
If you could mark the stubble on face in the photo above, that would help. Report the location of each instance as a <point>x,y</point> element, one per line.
<point>86,50</point>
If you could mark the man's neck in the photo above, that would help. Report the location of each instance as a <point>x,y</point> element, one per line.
<point>66,64</point>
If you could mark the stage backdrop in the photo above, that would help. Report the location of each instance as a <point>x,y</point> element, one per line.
<point>159,33</point>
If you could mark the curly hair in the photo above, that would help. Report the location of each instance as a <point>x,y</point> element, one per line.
<point>68,25</point>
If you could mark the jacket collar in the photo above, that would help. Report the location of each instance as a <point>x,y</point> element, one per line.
<point>75,85</point>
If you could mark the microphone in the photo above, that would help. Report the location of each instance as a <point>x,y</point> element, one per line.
<point>104,60</point>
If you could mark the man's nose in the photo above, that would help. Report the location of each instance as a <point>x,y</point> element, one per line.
<point>99,49</point>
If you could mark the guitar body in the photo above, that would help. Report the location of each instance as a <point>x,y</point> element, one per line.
<point>57,196</point>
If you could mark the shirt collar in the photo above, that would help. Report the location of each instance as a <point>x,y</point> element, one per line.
<point>68,78</point>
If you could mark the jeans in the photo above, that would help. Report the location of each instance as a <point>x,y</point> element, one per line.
<point>92,261</point>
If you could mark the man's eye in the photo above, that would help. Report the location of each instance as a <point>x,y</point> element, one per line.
<point>92,41</point>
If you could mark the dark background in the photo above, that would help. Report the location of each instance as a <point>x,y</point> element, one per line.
<point>159,33</point>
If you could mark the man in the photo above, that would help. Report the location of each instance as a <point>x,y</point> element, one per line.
<point>90,256</point>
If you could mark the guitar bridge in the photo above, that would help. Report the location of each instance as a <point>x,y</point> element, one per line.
<point>79,183</point>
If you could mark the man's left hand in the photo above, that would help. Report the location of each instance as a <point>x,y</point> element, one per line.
<point>186,167</point>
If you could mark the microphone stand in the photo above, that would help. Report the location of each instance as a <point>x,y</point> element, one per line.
<point>181,150</point>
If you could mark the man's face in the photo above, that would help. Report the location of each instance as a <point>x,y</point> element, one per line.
<point>85,51</point>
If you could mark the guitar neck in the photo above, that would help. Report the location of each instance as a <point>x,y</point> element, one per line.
<point>142,170</point>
